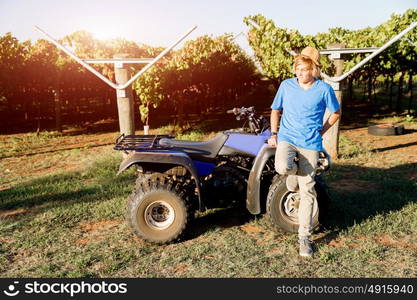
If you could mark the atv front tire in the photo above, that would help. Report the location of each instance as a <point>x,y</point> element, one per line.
<point>282,205</point>
<point>157,210</point>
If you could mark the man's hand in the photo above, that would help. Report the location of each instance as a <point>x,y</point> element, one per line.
<point>330,121</point>
<point>272,141</point>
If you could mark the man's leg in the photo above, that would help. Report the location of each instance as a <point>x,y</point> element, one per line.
<point>285,164</point>
<point>307,168</point>
<point>284,159</point>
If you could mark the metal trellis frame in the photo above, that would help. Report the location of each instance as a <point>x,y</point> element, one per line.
<point>124,96</point>
<point>86,62</point>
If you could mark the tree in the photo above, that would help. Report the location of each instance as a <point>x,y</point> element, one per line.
<point>12,62</point>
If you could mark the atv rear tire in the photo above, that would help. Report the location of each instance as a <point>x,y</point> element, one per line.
<point>157,210</point>
<point>282,205</point>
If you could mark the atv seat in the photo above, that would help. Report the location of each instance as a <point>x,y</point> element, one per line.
<point>208,149</point>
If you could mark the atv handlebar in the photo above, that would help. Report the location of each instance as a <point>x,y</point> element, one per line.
<point>241,111</point>
<point>257,124</point>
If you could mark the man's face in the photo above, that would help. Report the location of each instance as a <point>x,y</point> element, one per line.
<point>304,73</point>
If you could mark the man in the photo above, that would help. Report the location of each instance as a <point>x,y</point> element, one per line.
<point>302,101</point>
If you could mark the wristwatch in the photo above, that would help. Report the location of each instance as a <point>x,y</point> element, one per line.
<point>273,133</point>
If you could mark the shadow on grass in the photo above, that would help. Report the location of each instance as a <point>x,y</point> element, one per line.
<point>394,147</point>
<point>58,150</point>
<point>222,218</point>
<point>63,190</point>
<point>360,193</point>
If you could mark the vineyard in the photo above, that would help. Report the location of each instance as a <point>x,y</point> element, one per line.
<point>206,72</point>
<point>39,84</point>
<point>62,206</point>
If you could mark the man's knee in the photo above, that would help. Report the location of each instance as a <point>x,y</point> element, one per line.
<point>285,159</point>
<point>283,168</point>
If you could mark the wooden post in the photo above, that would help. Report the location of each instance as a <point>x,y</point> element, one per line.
<point>124,98</point>
<point>331,138</point>
<point>410,88</point>
<point>57,101</point>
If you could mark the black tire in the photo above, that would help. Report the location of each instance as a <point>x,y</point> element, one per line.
<point>142,177</point>
<point>158,210</point>
<point>282,205</point>
<point>386,130</point>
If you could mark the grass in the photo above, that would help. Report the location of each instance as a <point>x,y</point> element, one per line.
<point>71,224</point>
<point>13,145</point>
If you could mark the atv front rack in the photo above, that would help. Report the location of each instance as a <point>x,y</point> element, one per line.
<point>141,142</point>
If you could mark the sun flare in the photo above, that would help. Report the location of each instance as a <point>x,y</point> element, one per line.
<point>103,31</point>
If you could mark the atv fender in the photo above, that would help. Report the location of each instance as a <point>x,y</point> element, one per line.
<point>156,159</point>
<point>253,203</point>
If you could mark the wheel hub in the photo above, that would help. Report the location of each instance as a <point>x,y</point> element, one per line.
<point>291,205</point>
<point>159,215</point>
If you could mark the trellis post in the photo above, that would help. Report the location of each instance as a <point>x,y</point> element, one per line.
<point>57,103</point>
<point>331,137</point>
<point>125,103</point>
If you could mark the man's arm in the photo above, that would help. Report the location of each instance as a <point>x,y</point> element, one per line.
<point>275,114</point>
<point>329,122</point>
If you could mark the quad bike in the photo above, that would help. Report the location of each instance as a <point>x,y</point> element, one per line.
<point>176,178</point>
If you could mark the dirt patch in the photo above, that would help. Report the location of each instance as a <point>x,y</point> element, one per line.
<point>96,231</point>
<point>402,146</point>
<point>181,268</point>
<point>12,213</point>
<point>352,184</point>
<point>380,239</point>
<point>340,243</point>
<point>83,242</point>
<point>231,222</point>
<point>386,240</point>
<point>412,175</point>
<point>272,236</point>
<point>99,226</point>
<point>46,156</point>
<point>251,229</point>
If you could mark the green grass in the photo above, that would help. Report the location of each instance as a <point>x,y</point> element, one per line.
<point>349,149</point>
<point>71,224</point>
<point>186,133</point>
<point>18,144</point>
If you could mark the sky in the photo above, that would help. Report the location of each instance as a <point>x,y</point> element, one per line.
<point>161,22</point>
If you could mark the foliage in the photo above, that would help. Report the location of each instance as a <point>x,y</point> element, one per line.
<point>206,70</point>
<point>272,44</point>
<point>206,73</point>
<point>12,61</point>
<point>203,68</point>
<point>30,74</point>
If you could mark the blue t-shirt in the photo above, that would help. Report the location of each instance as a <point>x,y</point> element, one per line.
<point>303,112</point>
